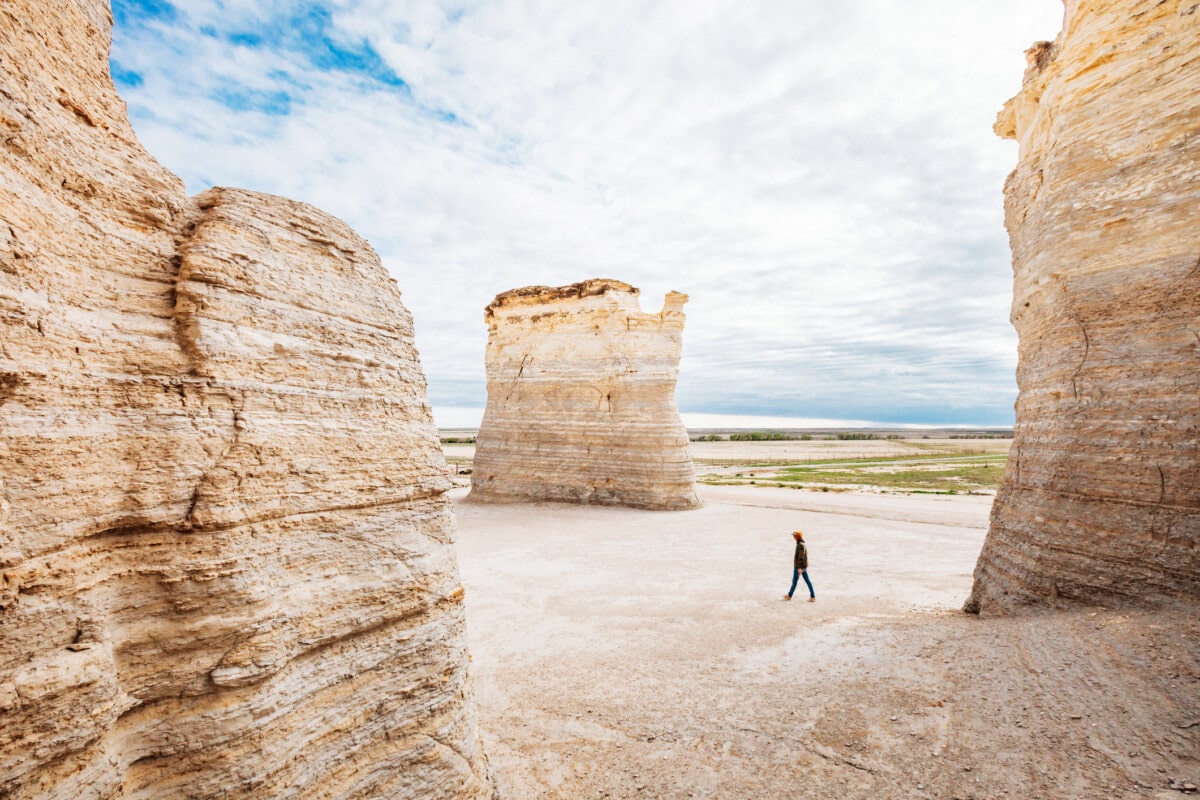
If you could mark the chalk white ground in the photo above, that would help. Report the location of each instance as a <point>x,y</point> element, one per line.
<point>624,653</point>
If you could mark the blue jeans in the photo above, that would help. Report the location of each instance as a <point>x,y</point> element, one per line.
<point>796,579</point>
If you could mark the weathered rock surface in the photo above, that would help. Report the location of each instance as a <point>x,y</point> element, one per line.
<point>226,564</point>
<point>1101,501</point>
<point>581,400</point>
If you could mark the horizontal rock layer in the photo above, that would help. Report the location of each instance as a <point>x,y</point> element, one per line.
<point>226,564</point>
<point>581,400</point>
<point>1101,501</point>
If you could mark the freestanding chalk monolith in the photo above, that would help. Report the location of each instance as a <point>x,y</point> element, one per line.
<point>581,400</point>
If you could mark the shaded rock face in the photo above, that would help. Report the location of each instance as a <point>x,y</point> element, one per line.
<point>226,564</point>
<point>1101,501</point>
<point>581,400</point>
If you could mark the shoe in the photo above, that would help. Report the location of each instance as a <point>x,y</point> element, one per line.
<point>812,599</point>
<point>787,597</point>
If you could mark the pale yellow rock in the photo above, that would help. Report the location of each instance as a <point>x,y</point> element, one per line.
<point>1101,501</point>
<point>226,564</point>
<point>581,400</point>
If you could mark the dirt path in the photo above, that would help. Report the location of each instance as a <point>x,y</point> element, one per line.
<point>620,653</point>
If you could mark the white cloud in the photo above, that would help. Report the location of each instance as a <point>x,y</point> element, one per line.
<point>820,178</point>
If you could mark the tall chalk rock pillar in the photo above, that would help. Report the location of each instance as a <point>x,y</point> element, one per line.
<point>226,562</point>
<point>581,400</point>
<point>1101,501</point>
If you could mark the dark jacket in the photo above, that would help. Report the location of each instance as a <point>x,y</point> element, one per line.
<point>800,562</point>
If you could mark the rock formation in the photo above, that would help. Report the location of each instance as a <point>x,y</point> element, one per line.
<point>226,564</point>
<point>1101,501</point>
<point>581,400</point>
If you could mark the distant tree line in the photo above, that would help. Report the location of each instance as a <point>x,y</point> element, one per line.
<point>754,436</point>
<point>845,436</point>
<point>764,436</point>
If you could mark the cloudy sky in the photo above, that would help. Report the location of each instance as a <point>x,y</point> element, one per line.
<point>820,177</point>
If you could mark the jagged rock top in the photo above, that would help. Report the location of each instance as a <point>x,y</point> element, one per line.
<point>541,295</point>
<point>582,297</point>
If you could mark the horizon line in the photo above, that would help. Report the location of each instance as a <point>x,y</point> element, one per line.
<point>471,418</point>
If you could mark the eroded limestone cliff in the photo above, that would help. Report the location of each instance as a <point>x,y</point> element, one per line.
<point>581,400</point>
<point>1101,501</point>
<point>226,564</point>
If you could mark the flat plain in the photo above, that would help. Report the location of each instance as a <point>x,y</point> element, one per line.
<point>634,654</point>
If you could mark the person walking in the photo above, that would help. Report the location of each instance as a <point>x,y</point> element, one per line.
<point>800,565</point>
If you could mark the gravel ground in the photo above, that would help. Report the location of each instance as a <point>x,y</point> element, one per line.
<point>634,654</point>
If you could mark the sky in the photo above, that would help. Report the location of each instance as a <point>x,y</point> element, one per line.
<point>821,178</point>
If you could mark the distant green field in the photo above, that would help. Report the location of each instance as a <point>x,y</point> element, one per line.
<point>940,474</point>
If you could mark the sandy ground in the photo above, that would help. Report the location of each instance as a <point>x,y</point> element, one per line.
<point>632,654</point>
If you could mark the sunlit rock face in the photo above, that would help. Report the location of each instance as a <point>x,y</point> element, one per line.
<point>226,564</point>
<point>581,400</point>
<point>1101,501</point>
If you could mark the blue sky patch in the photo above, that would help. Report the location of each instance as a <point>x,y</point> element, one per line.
<point>308,32</point>
<point>124,78</point>
<point>312,31</point>
<point>448,117</point>
<point>245,39</point>
<point>242,98</point>
<point>132,13</point>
